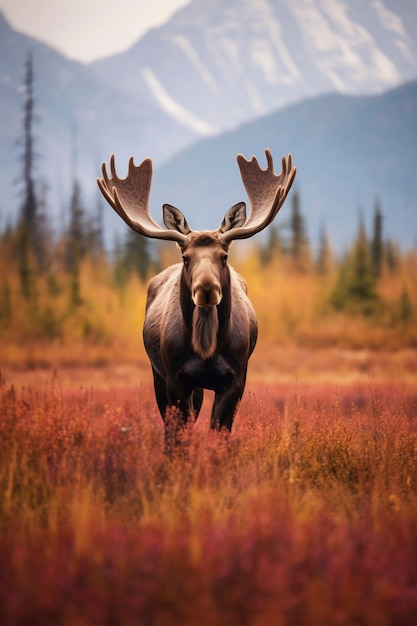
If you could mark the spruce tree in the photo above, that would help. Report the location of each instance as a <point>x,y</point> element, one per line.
<point>26,231</point>
<point>355,286</point>
<point>43,240</point>
<point>299,248</point>
<point>272,246</point>
<point>75,244</point>
<point>324,253</point>
<point>362,284</point>
<point>29,205</point>
<point>96,245</point>
<point>377,243</point>
<point>77,235</point>
<point>405,305</point>
<point>136,254</point>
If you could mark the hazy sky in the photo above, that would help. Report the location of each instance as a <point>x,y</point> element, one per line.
<point>86,30</point>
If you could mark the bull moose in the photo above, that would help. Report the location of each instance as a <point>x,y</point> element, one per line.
<point>200,327</point>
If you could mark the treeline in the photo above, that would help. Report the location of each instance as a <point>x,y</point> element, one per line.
<point>355,274</point>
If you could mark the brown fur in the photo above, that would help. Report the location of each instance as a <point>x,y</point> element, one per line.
<point>204,331</point>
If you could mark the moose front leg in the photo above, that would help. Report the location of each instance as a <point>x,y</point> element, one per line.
<point>225,405</point>
<point>178,411</point>
<point>160,387</point>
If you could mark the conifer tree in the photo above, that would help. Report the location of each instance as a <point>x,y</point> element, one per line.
<point>377,243</point>
<point>119,270</point>
<point>405,305</point>
<point>29,205</point>
<point>355,287</point>
<point>362,282</point>
<point>5,303</point>
<point>392,255</point>
<point>77,235</point>
<point>324,253</point>
<point>43,240</point>
<point>299,248</point>
<point>96,232</point>
<point>75,243</point>
<point>136,254</point>
<point>26,232</point>
<point>272,246</point>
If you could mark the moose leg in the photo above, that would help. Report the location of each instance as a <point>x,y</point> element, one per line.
<point>169,417</point>
<point>179,409</point>
<point>225,404</point>
<point>198,395</point>
<point>160,387</point>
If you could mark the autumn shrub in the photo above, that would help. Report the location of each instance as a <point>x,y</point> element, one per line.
<point>305,515</point>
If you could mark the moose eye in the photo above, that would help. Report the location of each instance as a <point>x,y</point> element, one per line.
<point>224,258</point>
<point>186,260</point>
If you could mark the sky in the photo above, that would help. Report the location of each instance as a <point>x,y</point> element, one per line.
<point>87,30</point>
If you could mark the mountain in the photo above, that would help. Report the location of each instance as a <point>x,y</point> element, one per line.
<point>348,151</point>
<point>214,66</point>
<point>219,63</point>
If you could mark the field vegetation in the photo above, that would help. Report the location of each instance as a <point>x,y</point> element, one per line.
<point>306,515</point>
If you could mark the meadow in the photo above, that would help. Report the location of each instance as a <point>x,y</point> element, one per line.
<point>305,515</point>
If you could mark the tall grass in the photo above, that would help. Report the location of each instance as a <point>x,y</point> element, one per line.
<point>307,514</point>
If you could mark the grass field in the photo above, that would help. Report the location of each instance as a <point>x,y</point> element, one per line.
<point>306,515</point>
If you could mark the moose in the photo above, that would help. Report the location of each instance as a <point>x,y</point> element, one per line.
<point>200,327</point>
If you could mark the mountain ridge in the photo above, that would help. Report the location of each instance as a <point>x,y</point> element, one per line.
<point>285,52</point>
<point>161,115</point>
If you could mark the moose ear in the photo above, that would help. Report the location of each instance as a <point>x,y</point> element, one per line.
<point>175,220</point>
<point>235,217</point>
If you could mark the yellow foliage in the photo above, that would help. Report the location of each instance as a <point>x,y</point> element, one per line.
<point>292,308</point>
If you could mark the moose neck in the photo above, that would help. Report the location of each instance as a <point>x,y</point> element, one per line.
<point>207,325</point>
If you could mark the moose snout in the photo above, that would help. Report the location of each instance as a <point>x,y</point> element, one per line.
<point>207,295</point>
<point>206,288</point>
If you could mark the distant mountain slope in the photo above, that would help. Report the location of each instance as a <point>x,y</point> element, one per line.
<point>218,63</point>
<point>213,66</point>
<point>348,150</point>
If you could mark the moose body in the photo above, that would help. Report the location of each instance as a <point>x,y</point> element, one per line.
<point>200,327</point>
<point>193,347</point>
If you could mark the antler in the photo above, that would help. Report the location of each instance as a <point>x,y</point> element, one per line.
<point>129,197</point>
<point>266,192</point>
